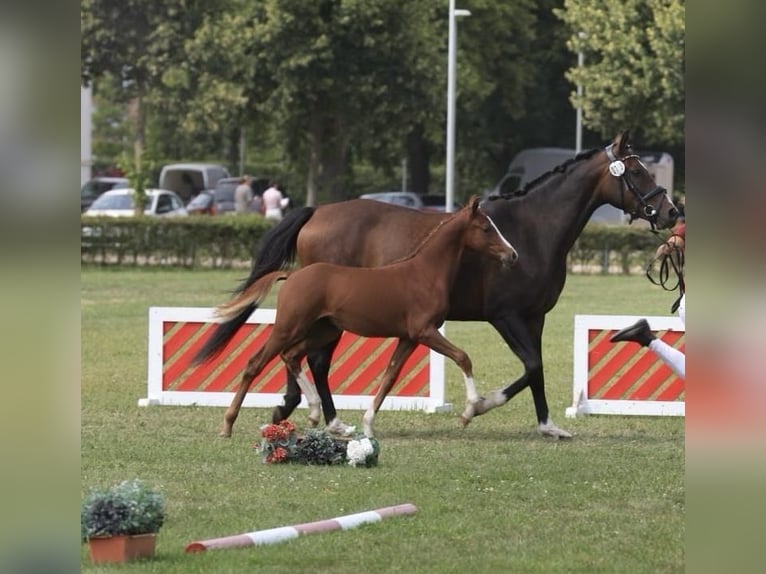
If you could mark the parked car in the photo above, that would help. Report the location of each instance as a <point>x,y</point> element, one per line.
<point>188,179</point>
<point>425,202</point>
<point>93,188</point>
<point>436,202</point>
<point>224,192</point>
<point>119,203</point>
<point>203,204</point>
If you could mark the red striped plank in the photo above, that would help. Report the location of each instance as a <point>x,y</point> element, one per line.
<point>198,376</point>
<point>232,372</point>
<point>181,337</point>
<point>673,391</point>
<point>372,372</point>
<point>343,373</point>
<point>420,380</point>
<point>605,372</point>
<point>629,377</point>
<point>174,367</point>
<point>652,383</point>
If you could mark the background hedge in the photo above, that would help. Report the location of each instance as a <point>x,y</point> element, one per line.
<point>231,241</point>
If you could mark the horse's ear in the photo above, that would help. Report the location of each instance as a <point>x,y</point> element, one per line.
<point>474,203</point>
<point>623,142</point>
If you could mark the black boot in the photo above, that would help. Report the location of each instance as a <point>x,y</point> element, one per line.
<point>639,332</point>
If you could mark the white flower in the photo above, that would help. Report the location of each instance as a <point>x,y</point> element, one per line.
<point>357,451</point>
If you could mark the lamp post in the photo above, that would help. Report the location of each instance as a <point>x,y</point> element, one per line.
<point>451,77</point>
<point>578,129</point>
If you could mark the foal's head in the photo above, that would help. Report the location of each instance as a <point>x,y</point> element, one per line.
<point>482,234</point>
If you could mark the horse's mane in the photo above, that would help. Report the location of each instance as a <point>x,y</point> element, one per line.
<point>538,180</point>
<point>426,239</point>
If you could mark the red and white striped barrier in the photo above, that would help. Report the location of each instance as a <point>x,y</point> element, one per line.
<point>624,378</point>
<point>177,333</point>
<point>276,535</point>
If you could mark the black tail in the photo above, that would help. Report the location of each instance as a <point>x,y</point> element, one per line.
<point>276,251</point>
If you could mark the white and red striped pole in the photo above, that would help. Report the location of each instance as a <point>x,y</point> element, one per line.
<point>276,535</point>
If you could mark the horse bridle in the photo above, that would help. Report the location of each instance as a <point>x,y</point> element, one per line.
<point>617,169</point>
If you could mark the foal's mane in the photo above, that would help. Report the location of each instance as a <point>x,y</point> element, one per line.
<point>426,239</point>
<point>558,169</point>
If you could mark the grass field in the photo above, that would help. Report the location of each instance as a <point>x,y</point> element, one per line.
<point>493,497</point>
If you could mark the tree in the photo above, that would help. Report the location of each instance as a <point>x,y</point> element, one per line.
<point>347,79</point>
<point>135,41</point>
<point>633,77</point>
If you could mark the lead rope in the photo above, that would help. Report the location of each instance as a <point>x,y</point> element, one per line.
<point>672,261</point>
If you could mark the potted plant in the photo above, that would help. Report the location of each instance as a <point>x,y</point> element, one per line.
<point>120,522</point>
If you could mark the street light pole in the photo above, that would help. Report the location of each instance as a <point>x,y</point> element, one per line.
<point>451,82</point>
<point>578,142</point>
<point>580,64</point>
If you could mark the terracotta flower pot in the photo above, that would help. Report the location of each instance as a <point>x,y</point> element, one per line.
<point>121,548</point>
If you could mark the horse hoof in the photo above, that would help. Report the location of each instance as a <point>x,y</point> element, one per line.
<point>276,415</point>
<point>464,421</point>
<point>340,429</point>
<point>555,432</point>
<point>224,434</point>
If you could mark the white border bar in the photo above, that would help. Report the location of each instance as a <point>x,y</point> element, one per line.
<point>434,402</point>
<point>581,404</point>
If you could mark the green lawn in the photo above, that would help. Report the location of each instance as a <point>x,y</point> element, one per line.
<point>493,497</point>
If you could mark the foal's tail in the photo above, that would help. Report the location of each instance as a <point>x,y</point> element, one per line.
<point>243,304</point>
<point>276,252</point>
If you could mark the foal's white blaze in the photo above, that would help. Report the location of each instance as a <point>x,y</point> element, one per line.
<point>507,243</point>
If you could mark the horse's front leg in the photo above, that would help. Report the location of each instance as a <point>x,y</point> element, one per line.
<point>436,341</point>
<point>525,339</point>
<point>404,348</point>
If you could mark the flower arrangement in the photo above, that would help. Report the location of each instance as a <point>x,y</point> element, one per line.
<point>280,443</point>
<point>130,507</point>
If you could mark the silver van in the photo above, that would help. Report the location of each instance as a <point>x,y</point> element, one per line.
<point>531,163</point>
<point>188,179</point>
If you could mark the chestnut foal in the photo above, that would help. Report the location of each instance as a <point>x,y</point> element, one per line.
<point>407,299</point>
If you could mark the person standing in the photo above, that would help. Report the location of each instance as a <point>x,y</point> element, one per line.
<point>243,195</point>
<point>640,332</point>
<point>274,201</point>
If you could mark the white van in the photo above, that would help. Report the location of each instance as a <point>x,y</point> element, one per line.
<point>531,163</point>
<point>188,179</point>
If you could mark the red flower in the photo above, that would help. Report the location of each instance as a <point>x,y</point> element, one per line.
<point>274,433</point>
<point>279,455</point>
<point>287,425</point>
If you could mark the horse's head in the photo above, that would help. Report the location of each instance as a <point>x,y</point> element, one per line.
<point>483,235</point>
<point>632,188</point>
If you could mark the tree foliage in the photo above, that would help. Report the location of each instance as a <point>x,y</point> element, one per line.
<point>332,91</point>
<point>633,77</point>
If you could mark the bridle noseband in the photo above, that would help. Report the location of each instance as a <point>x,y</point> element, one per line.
<point>617,169</point>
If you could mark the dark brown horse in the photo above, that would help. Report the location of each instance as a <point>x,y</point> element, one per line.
<point>407,299</point>
<point>542,221</point>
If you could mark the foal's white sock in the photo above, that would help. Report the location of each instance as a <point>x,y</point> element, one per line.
<point>671,356</point>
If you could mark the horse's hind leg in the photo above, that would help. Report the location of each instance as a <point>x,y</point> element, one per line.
<point>436,341</point>
<point>292,358</point>
<point>319,362</point>
<point>404,349</point>
<point>291,400</point>
<point>254,366</point>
